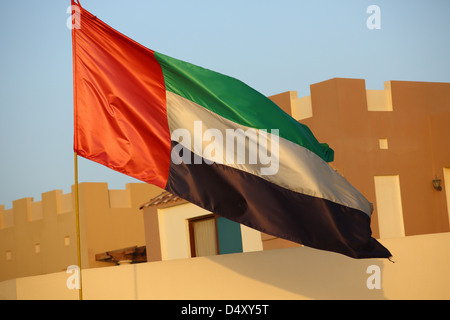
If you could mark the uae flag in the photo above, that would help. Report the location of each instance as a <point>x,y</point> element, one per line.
<point>211,140</point>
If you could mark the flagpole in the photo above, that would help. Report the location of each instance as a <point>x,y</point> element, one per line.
<point>77,207</point>
<point>77,215</point>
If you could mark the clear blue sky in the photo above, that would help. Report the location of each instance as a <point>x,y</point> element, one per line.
<point>274,46</point>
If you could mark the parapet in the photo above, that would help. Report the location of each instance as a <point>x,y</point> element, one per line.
<point>26,210</point>
<point>56,203</point>
<point>302,108</point>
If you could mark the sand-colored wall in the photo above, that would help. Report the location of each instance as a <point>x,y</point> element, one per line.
<point>401,131</point>
<point>420,271</point>
<point>38,237</point>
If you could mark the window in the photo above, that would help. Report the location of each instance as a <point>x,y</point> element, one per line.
<point>203,236</point>
<point>383,143</point>
<point>211,235</point>
<point>66,241</point>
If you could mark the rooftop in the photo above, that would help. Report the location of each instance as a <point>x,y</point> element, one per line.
<point>162,199</point>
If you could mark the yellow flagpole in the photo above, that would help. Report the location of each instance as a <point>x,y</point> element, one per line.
<point>77,207</point>
<point>77,214</point>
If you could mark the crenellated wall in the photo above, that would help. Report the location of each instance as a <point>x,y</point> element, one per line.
<point>39,237</point>
<point>390,144</point>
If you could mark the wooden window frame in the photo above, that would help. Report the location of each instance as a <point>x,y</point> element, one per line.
<point>192,236</point>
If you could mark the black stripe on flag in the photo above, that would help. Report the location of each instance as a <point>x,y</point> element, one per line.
<point>257,203</point>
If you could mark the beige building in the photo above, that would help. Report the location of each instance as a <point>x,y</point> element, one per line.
<point>39,237</point>
<point>391,144</point>
<point>177,229</point>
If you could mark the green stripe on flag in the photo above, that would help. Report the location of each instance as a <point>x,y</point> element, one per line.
<point>236,101</point>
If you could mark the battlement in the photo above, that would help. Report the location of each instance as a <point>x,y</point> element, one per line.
<point>26,210</point>
<point>55,203</point>
<point>351,95</point>
<point>302,108</point>
<point>39,237</point>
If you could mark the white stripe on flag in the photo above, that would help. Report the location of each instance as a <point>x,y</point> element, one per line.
<point>299,170</point>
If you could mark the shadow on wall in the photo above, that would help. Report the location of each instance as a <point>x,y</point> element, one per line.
<point>281,274</point>
<point>310,273</point>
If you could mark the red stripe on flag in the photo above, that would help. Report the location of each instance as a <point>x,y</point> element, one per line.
<point>120,103</point>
